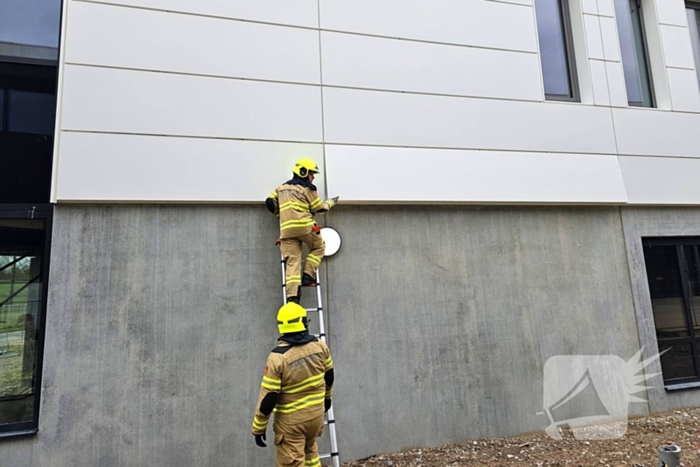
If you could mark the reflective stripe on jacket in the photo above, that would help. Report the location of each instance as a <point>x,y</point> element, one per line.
<point>297,373</point>
<point>295,205</point>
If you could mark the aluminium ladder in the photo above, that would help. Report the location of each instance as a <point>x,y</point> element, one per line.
<point>330,419</point>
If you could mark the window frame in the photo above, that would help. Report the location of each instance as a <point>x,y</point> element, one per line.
<point>565,18</point>
<point>45,212</point>
<point>647,58</point>
<point>693,338</point>
<point>695,5</point>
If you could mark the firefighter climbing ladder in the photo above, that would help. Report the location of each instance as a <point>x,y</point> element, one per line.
<point>330,419</point>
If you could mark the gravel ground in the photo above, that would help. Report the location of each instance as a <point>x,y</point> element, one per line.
<point>636,449</point>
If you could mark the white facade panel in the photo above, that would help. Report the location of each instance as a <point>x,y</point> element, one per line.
<point>380,63</point>
<point>589,7</point>
<point>684,89</point>
<point>161,100</point>
<point>611,40</point>
<point>658,180</point>
<point>677,47</point>
<point>616,84</point>
<point>600,82</point>
<point>593,37</point>
<point>154,40</point>
<point>297,12</point>
<point>471,176</point>
<point>606,8</point>
<point>124,101</point>
<point>100,167</point>
<point>672,12</point>
<point>395,119</point>
<point>466,22</point>
<point>657,133</point>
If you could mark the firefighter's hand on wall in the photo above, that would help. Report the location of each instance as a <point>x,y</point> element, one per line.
<point>335,199</point>
<point>260,440</point>
<point>327,404</point>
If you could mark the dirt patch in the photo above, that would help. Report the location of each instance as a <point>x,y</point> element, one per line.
<point>636,449</point>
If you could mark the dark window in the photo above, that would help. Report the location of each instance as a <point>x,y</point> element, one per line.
<point>31,112</point>
<point>28,75</point>
<point>556,50</point>
<point>693,12</point>
<point>673,271</point>
<point>26,133</point>
<point>24,235</point>
<point>634,53</point>
<point>2,109</point>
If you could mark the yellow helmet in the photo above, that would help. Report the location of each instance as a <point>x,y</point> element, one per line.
<point>291,318</point>
<point>304,166</point>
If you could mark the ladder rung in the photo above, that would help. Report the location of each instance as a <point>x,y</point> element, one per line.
<point>323,334</point>
<point>330,454</point>
<point>308,310</point>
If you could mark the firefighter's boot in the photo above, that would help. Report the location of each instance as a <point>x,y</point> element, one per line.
<point>308,280</point>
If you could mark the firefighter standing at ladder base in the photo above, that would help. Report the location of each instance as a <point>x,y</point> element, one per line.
<point>297,386</point>
<point>295,202</point>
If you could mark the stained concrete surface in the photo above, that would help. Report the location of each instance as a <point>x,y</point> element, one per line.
<point>441,320</point>
<point>443,317</point>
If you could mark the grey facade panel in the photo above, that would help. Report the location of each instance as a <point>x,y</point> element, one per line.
<point>443,317</point>
<point>441,320</point>
<point>159,323</point>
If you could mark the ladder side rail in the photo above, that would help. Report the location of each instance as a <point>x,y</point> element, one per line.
<point>335,458</point>
<point>330,418</point>
<point>283,262</point>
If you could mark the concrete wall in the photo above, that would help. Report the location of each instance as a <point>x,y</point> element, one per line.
<point>159,322</point>
<point>441,320</point>
<point>654,222</point>
<point>443,317</point>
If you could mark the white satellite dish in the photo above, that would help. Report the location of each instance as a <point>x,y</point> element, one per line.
<point>332,239</point>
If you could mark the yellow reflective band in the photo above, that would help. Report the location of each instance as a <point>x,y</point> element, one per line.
<point>316,203</point>
<point>300,207</point>
<point>329,391</point>
<point>313,259</point>
<point>271,383</point>
<point>296,223</point>
<point>260,425</point>
<point>304,402</point>
<point>315,462</point>
<point>294,279</point>
<point>273,195</point>
<point>307,383</point>
<point>282,209</point>
<point>329,362</point>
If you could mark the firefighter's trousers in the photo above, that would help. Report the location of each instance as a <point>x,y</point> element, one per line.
<point>296,444</point>
<point>291,251</point>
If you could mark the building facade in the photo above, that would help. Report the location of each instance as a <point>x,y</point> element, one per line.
<point>519,180</point>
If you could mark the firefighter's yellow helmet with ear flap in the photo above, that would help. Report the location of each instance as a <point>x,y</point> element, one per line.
<point>291,318</point>
<point>304,166</point>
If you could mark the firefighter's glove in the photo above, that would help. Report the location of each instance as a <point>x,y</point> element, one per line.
<point>327,404</point>
<point>335,200</point>
<point>260,440</point>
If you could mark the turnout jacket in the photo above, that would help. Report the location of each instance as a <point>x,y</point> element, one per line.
<point>297,381</point>
<point>295,202</point>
